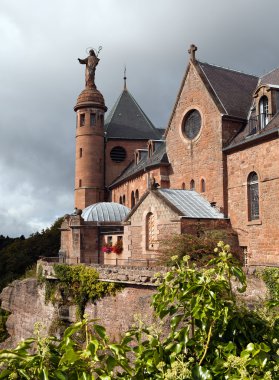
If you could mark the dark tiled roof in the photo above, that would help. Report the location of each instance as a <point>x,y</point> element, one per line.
<point>127,120</point>
<point>233,89</point>
<point>245,137</point>
<point>271,78</point>
<point>158,157</point>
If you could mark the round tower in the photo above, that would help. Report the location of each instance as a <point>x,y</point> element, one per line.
<point>90,109</point>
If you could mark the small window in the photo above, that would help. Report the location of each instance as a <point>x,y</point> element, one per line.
<point>192,185</point>
<point>80,183</point>
<point>202,186</point>
<point>133,200</point>
<point>136,196</point>
<point>124,199</point>
<point>109,239</point>
<point>263,111</point>
<point>80,152</point>
<point>253,196</point>
<point>183,186</point>
<point>92,119</point>
<point>82,119</point>
<point>120,200</point>
<point>150,231</point>
<point>119,239</point>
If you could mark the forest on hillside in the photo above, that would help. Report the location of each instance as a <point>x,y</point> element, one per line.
<point>19,254</point>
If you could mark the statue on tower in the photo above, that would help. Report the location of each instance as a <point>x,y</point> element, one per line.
<point>91,62</point>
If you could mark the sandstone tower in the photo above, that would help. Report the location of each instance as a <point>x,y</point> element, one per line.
<point>90,109</point>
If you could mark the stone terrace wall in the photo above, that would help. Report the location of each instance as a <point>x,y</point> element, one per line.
<point>125,274</point>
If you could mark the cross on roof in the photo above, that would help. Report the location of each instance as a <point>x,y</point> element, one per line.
<point>192,51</point>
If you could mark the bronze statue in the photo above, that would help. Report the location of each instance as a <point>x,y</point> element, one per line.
<point>91,62</point>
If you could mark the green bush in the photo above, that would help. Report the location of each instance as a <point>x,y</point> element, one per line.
<point>209,337</point>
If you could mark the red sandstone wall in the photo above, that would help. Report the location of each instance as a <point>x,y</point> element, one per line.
<point>201,157</point>
<point>261,237</point>
<point>114,169</point>
<point>139,183</point>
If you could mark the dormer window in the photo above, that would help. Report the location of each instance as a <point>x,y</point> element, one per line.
<point>263,107</point>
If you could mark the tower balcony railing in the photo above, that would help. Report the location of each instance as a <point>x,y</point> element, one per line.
<point>259,122</point>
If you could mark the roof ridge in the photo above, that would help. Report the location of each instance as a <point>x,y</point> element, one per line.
<point>143,113</point>
<point>213,89</point>
<point>228,69</point>
<point>111,112</point>
<point>269,72</point>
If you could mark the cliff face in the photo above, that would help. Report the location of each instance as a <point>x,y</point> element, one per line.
<point>25,300</point>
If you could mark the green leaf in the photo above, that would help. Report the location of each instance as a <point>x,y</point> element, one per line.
<point>201,373</point>
<point>101,331</point>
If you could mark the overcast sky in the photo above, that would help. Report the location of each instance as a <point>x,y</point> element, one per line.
<point>40,79</point>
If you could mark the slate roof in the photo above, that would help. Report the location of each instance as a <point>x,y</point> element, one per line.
<point>243,137</point>
<point>105,212</point>
<point>190,204</point>
<point>233,89</point>
<point>271,78</point>
<point>157,158</point>
<point>127,121</point>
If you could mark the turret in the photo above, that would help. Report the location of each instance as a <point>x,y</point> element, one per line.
<point>90,109</point>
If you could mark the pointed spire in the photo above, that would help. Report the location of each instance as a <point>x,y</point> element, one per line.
<point>125,85</point>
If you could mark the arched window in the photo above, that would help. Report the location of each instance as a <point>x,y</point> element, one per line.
<point>183,186</point>
<point>253,196</point>
<point>263,111</point>
<point>124,199</point>
<point>150,231</point>
<point>80,152</point>
<point>132,199</point>
<point>136,196</point>
<point>120,200</point>
<point>202,185</point>
<point>192,185</point>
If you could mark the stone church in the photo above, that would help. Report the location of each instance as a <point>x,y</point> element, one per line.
<point>214,167</point>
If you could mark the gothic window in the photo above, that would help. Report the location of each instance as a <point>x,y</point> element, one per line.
<point>263,111</point>
<point>192,124</point>
<point>253,196</point>
<point>82,119</point>
<point>136,196</point>
<point>150,231</point>
<point>192,185</point>
<point>92,119</point>
<point>133,199</point>
<point>202,185</point>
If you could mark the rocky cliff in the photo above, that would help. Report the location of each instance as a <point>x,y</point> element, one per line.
<point>25,300</point>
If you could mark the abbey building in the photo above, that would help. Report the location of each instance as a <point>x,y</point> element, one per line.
<point>214,167</point>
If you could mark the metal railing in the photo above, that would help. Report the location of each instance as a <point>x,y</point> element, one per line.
<point>147,263</point>
<point>257,123</point>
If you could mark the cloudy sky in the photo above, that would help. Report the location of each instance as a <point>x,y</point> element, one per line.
<point>40,79</point>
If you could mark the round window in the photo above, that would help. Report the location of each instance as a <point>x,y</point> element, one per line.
<point>192,124</point>
<point>118,154</point>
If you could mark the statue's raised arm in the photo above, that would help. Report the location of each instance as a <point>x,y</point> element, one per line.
<point>91,62</point>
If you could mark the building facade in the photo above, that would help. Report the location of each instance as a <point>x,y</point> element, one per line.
<point>221,144</point>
